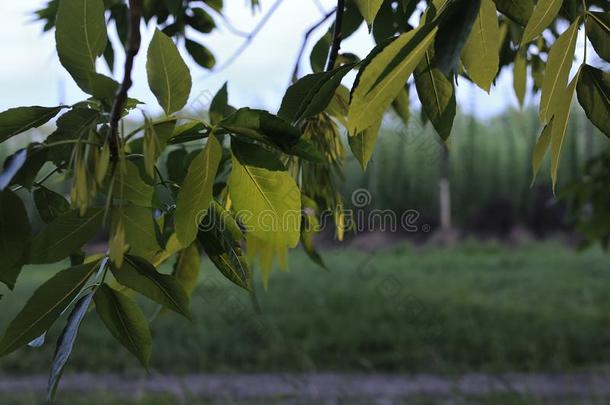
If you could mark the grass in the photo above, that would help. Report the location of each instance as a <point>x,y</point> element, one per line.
<point>473,307</point>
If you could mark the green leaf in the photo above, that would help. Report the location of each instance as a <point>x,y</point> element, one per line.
<point>304,149</point>
<point>200,54</point>
<point>481,54</point>
<point>519,11</point>
<point>45,306</point>
<point>15,234</point>
<point>65,343</point>
<point>195,195</point>
<point>542,145</point>
<point>311,94</point>
<point>369,9</point>
<point>401,105</point>
<point>71,126</point>
<point>220,237</point>
<point>520,77</point>
<point>594,96</point>
<point>383,78</point>
<point>363,144</point>
<point>544,13</point>
<point>50,204</point>
<point>130,186</point>
<point>141,276</point>
<point>36,158</point>
<point>598,32</point>
<point>219,108</point>
<point>168,76</point>
<point>139,226</point>
<point>65,235</point>
<point>455,24</point>
<point>560,124</point>
<point>557,71</point>
<point>437,95</point>
<point>261,126</point>
<point>265,197</point>
<point>310,227</point>
<point>201,20</point>
<point>125,321</point>
<point>17,120</point>
<point>81,38</point>
<point>187,268</point>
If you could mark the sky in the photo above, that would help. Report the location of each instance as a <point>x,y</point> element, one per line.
<point>30,73</point>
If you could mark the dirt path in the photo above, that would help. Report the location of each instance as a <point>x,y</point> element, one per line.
<point>323,387</point>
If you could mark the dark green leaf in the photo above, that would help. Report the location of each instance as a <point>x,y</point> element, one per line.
<point>12,165</point>
<point>141,276</point>
<point>50,205</point>
<point>66,342</point>
<point>15,235</point>
<point>201,20</point>
<point>125,321</point>
<point>45,306</point>
<point>598,32</point>
<point>20,119</point>
<point>65,235</point>
<point>594,96</point>
<point>200,54</point>
<point>519,11</point>
<point>219,108</point>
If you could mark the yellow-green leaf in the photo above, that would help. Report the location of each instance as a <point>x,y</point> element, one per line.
<point>168,76</point>
<point>130,186</point>
<point>265,197</point>
<point>187,268</point>
<point>557,71</point>
<point>195,195</point>
<point>560,124</point>
<point>363,144</point>
<point>384,77</point>
<point>481,53</point>
<point>520,77</point>
<point>139,228</point>
<point>542,145</point>
<point>544,13</point>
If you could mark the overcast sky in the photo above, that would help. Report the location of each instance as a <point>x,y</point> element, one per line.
<point>30,73</point>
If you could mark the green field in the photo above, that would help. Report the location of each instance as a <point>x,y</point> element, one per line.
<point>474,307</point>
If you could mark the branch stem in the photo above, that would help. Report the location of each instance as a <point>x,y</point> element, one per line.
<point>337,36</point>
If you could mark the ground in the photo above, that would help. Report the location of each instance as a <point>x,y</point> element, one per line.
<point>408,312</point>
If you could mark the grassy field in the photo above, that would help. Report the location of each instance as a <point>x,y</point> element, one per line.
<point>473,307</point>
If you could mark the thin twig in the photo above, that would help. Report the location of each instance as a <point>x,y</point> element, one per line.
<point>337,36</point>
<point>295,72</point>
<point>133,47</point>
<point>248,39</point>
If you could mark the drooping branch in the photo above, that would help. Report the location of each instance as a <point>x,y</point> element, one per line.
<point>295,72</point>
<point>337,36</point>
<point>133,47</point>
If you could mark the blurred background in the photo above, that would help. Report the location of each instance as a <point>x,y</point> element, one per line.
<point>497,282</point>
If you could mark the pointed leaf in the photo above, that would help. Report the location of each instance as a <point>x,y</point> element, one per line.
<point>542,145</point>
<point>219,108</point>
<point>544,13</point>
<point>598,32</point>
<point>519,11</point>
<point>141,276</point>
<point>81,38</point>
<point>15,235</point>
<point>520,77</point>
<point>168,76</point>
<point>481,53</point>
<point>139,226</point>
<point>17,120</point>
<point>125,321</point>
<point>195,195</point>
<point>369,9</point>
<point>45,306</point>
<point>363,144</point>
<point>557,71</point>
<point>560,124</point>
<point>594,96</point>
<point>65,343</point>
<point>187,268</point>
<point>265,197</point>
<point>65,235</point>
<point>383,78</point>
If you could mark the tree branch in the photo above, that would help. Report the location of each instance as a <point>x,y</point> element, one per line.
<point>133,47</point>
<point>337,36</point>
<point>295,72</point>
